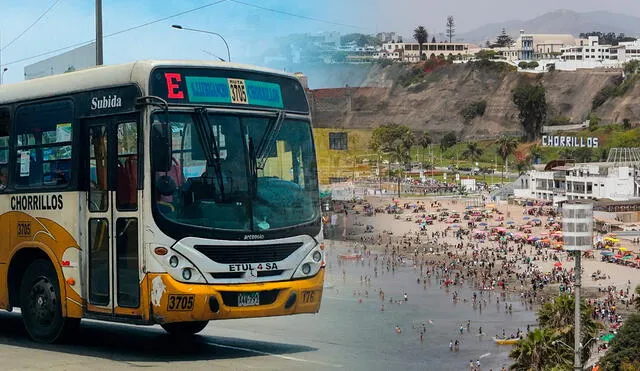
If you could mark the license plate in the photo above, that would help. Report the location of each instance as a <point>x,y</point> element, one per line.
<point>248,299</point>
<point>180,302</point>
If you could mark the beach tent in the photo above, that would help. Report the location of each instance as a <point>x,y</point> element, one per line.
<point>557,264</point>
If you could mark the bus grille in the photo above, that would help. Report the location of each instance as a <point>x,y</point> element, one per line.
<point>248,254</point>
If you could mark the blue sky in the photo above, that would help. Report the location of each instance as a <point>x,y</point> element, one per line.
<point>247,30</point>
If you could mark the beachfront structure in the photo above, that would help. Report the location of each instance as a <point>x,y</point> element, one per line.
<point>410,52</point>
<point>528,46</point>
<point>542,46</point>
<point>587,181</point>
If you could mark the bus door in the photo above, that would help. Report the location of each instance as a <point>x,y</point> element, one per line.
<point>113,207</point>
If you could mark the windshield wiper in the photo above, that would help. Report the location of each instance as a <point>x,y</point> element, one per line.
<point>269,140</point>
<point>209,145</point>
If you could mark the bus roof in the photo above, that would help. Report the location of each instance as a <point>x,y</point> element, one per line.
<point>109,75</point>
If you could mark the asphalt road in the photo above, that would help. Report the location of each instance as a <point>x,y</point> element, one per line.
<point>346,334</point>
<point>271,344</point>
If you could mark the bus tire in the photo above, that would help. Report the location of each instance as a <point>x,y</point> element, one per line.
<point>41,305</point>
<point>184,328</point>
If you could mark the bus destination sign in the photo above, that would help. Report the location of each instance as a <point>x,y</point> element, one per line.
<point>229,88</point>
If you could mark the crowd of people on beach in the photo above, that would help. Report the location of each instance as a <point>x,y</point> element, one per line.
<point>497,270</point>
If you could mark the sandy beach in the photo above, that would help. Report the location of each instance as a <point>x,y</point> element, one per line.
<point>472,249</point>
<point>617,275</point>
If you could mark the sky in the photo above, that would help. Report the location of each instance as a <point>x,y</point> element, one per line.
<point>248,30</point>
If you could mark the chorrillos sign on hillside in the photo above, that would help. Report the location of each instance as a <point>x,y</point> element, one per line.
<point>568,141</point>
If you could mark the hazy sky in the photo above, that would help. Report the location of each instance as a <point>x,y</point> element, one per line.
<point>248,30</point>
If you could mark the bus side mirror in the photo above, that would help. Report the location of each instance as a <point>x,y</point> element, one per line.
<point>161,146</point>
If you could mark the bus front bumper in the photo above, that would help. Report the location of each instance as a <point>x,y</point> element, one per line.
<point>175,301</point>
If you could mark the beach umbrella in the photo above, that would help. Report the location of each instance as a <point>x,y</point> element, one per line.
<point>557,264</point>
<point>623,249</point>
<point>607,337</point>
<point>606,253</point>
<point>469,207</point>
<point>525,218</point>
<point>456,226</point>
<point>483,224</point>
<point>510,222</point>
<point>617,256</point>
<point>536,220</point>
<point>627,257</point>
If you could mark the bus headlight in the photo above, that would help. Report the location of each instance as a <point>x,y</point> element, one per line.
<point>179,266</point>
<point>310,265</point>
<point>306,268</point>
<point>186,274</point>
<point>173,261</point>
<point>317,256</point>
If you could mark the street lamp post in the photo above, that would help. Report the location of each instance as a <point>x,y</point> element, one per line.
<point>577,220</point>
<point>99,53</point>
<point>2,74</point>
<point>179,27</point>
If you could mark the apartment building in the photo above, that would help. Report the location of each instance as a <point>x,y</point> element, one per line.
<point>585,51</point>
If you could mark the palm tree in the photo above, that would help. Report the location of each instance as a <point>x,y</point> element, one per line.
<point>506,147</point>
<point>538,352</point>
<point>400,150</point>
<point>637,299</point>
<point>472,152</point>
<point>424,140</point>
<point>422,36</point>
<point>559,315</point>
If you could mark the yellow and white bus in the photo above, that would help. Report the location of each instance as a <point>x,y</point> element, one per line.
<point>158,192</point>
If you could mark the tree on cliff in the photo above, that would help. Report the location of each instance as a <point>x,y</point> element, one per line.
<point>421,36</point>
<point>451,28</point>
<point>532,103</point>
<point>506,146</point>
<point>504,39</point>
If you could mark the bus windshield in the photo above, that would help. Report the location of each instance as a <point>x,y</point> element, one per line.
<point>217,179</point>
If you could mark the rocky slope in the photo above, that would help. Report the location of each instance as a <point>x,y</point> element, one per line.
<point>433,100</point>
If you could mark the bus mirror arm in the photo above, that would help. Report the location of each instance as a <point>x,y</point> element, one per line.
<point>161,133</point>
<point>152,100</point>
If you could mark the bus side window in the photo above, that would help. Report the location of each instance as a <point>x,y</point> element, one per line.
<point>4,147</point>
<point>43,144</point>
<point>127,167</point>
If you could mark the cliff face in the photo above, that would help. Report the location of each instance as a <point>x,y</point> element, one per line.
<point>433,101</point>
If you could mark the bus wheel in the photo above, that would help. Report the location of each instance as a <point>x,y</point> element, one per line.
<point>184,328</point>
<point>41,305</point>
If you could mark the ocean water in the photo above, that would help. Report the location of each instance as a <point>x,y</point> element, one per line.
<point>365,327</point>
